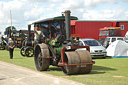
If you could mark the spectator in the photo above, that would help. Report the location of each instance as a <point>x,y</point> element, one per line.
<point>11,46</point>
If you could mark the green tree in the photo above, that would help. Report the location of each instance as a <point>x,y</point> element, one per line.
<point>8,31</point>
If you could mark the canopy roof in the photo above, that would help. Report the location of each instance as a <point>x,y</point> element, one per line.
<point>54,19</point>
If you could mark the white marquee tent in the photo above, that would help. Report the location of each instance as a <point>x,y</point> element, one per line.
<point>118,49</point>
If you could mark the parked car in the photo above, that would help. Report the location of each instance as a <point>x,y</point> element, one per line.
<point>109,40</point>
<point>96,49</point>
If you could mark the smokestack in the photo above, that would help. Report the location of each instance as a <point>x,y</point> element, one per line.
<point>29,32</point>
<point>68,26</point>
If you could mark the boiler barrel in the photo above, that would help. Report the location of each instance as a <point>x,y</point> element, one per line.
<point>29,43</point>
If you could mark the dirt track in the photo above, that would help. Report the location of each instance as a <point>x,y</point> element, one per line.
<point>15,75</point>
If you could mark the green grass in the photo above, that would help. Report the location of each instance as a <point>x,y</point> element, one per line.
<point>110,71</point>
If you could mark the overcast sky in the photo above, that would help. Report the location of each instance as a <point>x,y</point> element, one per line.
<point>26,11</point>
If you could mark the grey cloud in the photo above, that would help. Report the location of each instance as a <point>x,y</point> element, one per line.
<point>125,0</point>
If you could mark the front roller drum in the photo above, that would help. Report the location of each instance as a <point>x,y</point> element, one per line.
<point>41,51</point>
<point>77,62</point>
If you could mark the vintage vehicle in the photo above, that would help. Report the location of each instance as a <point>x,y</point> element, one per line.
<point>109,32</point>
<point>27,48</point>
<point>22,34</point>
<point>18,42</point>
<point>58,48</point>
<point>2,45</point>
<point>96,49</point>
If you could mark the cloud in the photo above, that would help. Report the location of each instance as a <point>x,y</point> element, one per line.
<point>5,9</point>
<point>106,14</point>
<point>41,0</point>
<point>94,3</point>
<point>125,1</point>
<point>97,15</point>
<point>68,4</point>
<point>76,7</point>
<point>33,0</point>
<point>126,14</point>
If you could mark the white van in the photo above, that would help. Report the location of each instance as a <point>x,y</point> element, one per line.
<point>109,40</point>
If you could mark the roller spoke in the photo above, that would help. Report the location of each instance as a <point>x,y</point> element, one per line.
<point>29,51</point>
<point>39,60</point>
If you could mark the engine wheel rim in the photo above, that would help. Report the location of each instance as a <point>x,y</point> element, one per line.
<point>29,52</point>
<point>22,51</point>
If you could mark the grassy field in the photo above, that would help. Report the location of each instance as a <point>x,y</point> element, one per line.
<point>110,71</point>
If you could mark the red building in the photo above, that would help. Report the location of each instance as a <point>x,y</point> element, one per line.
<point>90,29</point>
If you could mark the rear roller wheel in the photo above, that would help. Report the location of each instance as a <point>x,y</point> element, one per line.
<point>40,54</point>
<point>77,57</point>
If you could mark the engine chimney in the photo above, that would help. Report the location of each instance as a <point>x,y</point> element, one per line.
<point>68,26</point>
<point>29,32</point>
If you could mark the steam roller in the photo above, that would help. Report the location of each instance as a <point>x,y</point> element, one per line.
<point>27,48</point>
<point>71,62</point>
<point>60,48</point>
